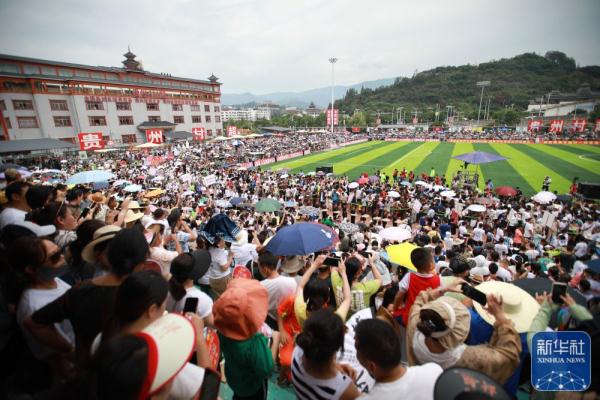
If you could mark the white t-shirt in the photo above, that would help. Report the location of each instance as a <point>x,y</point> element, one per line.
<point>279,288</point>
<point>11,215</point>
<point>478,234</point>
<point>417,383</point>
<point>31,301</point>
<point>203,309</point>
<point>244,253</point>
<point>218,258</point>
<point>504,274</point>
<point>163,257</point>
<point>578,267</point>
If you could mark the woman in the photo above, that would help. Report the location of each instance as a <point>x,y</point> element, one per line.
<point>158,253</point>
<point>80,269</point>
<point>219,272</point>
<point>439,325</point>
<point>186,270</point>
<point>61,216</point>
<point>315,372</point>
<point>363,289</point>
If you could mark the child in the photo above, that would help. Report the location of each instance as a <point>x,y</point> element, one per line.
<point>414,282</point>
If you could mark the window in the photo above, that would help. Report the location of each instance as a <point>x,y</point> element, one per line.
<point>219,132</point>
<point>154,118</point>
<point>206,108</point>
<point>27,122</point>
<point>58,105</point>
<point>97,75</point>
<point>195,107</point>
<point>178,119</point>
<point>129,138</point>
<point>22,104</point>
<point>65,72</point>
<point>123,106</point>
<point>217,109</point>
<point>217,118</point>
<point>31,69</point>
<point>2,105</point>
<point>152,106</point>
<point>83,74</point>
<point>208,118</point>
<point>125,120</point>
<point>94,105</point>
<point>196,119</point>
<point>177,107</point>
<point>48,71</point>
<point>97,121</point>
<point>209,132</point>
<point>12,68</point>
<point>61,122</point>
<point>8,124</point>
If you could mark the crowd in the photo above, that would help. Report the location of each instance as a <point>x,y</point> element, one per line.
<point>161,284</point>
<point>492,134</point>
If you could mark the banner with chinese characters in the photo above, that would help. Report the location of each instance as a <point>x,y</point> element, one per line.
<point>154,136</point>
<point>355,129</point>
<point>579,125</point>
<point>556,126</point>
<point>534,125</point>
<point>91,141</point>
<point>199,133</point>
<point>231,130</point>
<point>335,116</point>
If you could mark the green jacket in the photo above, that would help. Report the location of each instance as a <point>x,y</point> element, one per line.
<point>247,363</point>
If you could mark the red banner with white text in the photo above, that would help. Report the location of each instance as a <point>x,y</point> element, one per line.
<point>91,141</point>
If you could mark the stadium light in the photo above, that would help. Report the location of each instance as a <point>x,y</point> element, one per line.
<point>483,84</point>
<point>332,60</point>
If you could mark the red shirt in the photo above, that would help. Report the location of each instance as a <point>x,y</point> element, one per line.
<point>416,283</point>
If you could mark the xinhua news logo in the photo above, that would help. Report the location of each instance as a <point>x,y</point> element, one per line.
<point>561,361</point>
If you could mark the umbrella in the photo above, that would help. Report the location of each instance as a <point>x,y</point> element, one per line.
<point>405,183</point>
<point>479,157</point>
<point>90,176</point>
<point>353,185</point>
<point>154,193</point>
<point>100,185</point>
<point>400,254</point>
<point>476,208</point>
<point>393,194</point>
<point>220,226</point>
<point>421,183</point>
<point>363,180</point>
<point>395,233</point>
<point>223,203</point>
<point>448,193</point>
<point>309,211</point>
<point>564,198</point>
<point>290,203</point>
<point>506,191</point>
<point>284,176</point>
<point>236,200</point>
<point>4,167</point>
<point>438,188</point>
<point>121,182</point>
<point>301,239</point>
<point>267,205</point>
<point>349,228</point>
<point>544,197</point>
<point>373,179</point>
<point>133,188</point>
<point>594,265</point>
<point>541,285</point>
<point>23,172</point>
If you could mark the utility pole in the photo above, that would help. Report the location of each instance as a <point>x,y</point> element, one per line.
<point>332,60</point>
<point>482,84</point>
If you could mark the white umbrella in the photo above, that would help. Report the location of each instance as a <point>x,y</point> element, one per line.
<point>353,185</point>
<point>393,194</point>
<point>395,233</point>
<point>133,188</point>
<point>544,197</point>
<point>121,182</point>
<point>476,208</point>
<point>284,176</point>
<point>421,183</point>
<point>448,193</point>
<point>437,188</point>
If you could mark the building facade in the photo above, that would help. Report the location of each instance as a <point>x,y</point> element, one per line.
<point>246,114</point>
<point>58,100</point>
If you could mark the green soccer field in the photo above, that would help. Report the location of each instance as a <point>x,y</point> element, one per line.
<point>525,167</point>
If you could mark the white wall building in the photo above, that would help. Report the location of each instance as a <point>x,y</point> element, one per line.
<point>246,114</point>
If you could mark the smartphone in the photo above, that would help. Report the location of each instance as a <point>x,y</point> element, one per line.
<point>558,289</point>
<point>365,254</point>
<point>191,305</point>
<point>352,218</point>
<point>472,293</point>
<point>323,214</point>
<point>85,212</point>
<point>332,261</point>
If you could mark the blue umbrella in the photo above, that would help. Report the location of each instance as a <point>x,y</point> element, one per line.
<point>220,226</point>
<point>90,177</point>
<point>236,200</point>
<point>479,157</point>
<point>100,185</point>
<point>301,239</point>
<point>405,183</point>
<point>594,265</point>
<point>309,211</point>
<point>290,203</point>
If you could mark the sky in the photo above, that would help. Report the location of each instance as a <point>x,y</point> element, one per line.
<point>264,46</point>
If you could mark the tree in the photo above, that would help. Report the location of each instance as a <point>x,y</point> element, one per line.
<point>561,59</point>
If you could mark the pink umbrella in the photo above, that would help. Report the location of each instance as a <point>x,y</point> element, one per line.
<point>363,180</point>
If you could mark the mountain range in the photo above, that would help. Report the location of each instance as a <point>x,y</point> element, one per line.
<point>321,96</point>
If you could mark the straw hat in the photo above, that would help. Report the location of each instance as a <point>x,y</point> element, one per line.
<point>456,317</point>
<point>171,340</point>
<point>292,264</point>
<point>98,197</point>
<point>101,235</point>
<point>131,216</point>
<point>134,205</point>
<point>241,309</point>
<point>519,306</point>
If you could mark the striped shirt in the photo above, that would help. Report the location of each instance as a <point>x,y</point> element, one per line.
<point>309,388</point>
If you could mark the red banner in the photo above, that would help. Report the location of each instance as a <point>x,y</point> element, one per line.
<point>579,125</point>
<point>335,116</point>
<point>556,125</point>
<point>355,129</point>
<point>534,125</point>
<point>231,130</point>
<point>91,141</point>
<point>199,133</point>
<point>154,136</point>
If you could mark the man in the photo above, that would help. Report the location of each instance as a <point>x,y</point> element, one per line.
<point>279,287</point>
<point>379,350</point>
<point>17,207</point>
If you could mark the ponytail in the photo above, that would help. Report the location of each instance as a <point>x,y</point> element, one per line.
<point>176,289</point>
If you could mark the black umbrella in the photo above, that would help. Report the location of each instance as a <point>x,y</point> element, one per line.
<point>564,198</point>
<point>541,285</point>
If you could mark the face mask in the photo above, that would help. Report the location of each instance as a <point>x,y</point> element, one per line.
<point>47,274</point>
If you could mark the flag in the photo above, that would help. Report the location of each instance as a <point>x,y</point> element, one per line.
<point>154,136</point>
<point>556,125</point>
<point>91,141</point>
<point>579,125</point>
<point>199,133</point>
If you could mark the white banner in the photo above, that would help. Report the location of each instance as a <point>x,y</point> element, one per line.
<point>209,180</point>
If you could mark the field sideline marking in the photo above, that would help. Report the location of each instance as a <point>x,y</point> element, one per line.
<point>584,157</point>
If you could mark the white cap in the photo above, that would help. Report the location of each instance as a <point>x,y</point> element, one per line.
<point>38,230</point>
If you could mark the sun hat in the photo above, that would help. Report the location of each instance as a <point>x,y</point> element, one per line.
<point>101,235</point>
<point>292,264</point>
<point>171,340</point>
<point>242,238</point>
<point>98,197</point>
<point>241,309</point>
<point>131,216</point>
<point>456,318</point>
<point>519,306</point>
<point>196,270</point>
<point>134,205</point>
<point>465,383</point>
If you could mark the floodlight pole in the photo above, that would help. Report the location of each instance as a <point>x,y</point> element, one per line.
<point>483,84</point>
<point>332,60</point>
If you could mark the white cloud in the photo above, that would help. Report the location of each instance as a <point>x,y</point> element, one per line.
<point>280,45</point>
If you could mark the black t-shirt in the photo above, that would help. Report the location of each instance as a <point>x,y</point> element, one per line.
<point>88,307</point>
<point>567,261</point>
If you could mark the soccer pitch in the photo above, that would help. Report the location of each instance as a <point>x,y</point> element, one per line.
<point>525,167</point>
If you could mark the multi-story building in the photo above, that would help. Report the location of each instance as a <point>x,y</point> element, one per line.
<point>313,111</point>
<point>58,100</point>
<point>246,114</point>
